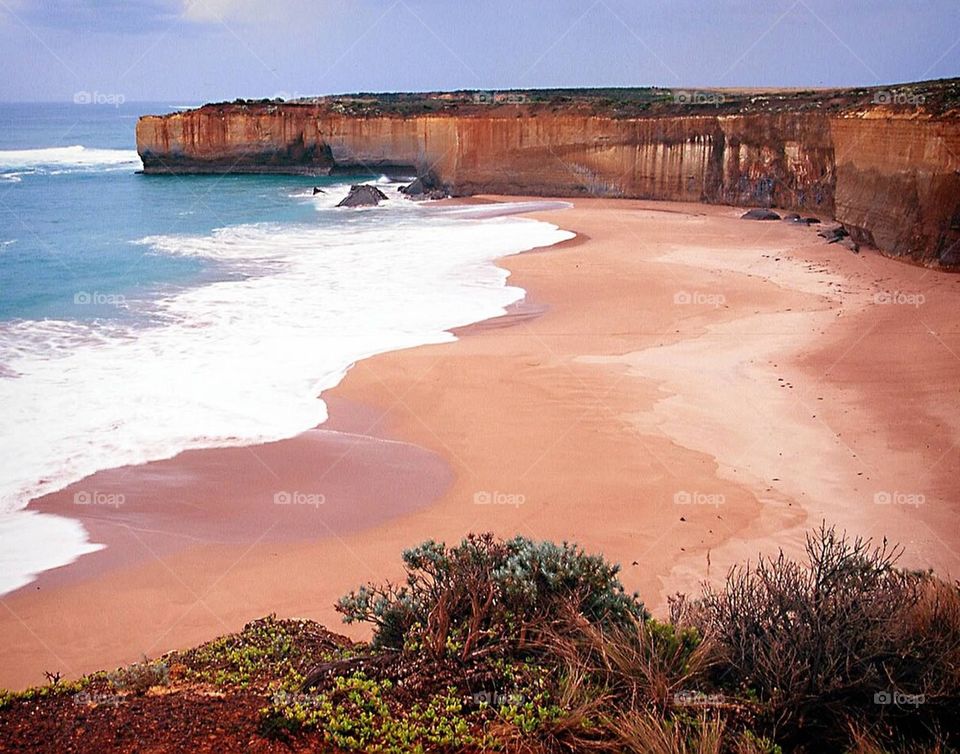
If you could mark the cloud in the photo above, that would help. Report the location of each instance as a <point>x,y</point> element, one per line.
<point>130,16</point>
<point>261,11</point>
<point>11,11</point>
<point>144,16</point>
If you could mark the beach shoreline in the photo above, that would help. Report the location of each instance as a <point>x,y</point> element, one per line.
<point>679,390</point>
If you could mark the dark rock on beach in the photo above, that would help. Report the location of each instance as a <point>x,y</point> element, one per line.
<point>363,196</point>
<point>793,217</point>
<point>417,188</point>
<point>833,233</point>
<point>760,214</point>
<point>424,187</point>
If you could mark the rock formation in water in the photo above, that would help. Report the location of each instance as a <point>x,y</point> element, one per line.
<point>883,162</point>
<point>363,195</point>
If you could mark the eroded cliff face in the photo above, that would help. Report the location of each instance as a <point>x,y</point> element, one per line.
<point>217,140</point>
<point>892,178</point>
<point>898,185</point>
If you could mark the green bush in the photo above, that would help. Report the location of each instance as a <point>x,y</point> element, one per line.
<point>355,714</point>
<point>486,592</point>
<point>265,651</point>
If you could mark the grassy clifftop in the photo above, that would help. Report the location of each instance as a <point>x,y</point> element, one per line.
<point>929,97</point>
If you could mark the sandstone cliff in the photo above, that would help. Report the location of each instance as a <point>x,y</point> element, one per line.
<point>886,166</point>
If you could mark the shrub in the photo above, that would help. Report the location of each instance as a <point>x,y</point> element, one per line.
<point>140,677</point>
<point>490,594</point>
<point>817,641</point>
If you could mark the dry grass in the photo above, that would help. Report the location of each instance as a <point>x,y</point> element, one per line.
<point>645,665</point>
<point>862,742</point>
<point>649,733</point>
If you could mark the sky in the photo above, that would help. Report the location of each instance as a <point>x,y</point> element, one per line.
<point>213,50</point>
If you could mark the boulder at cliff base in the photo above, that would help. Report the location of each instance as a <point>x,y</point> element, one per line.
<point>425,187</point>
<point>363,196</point>
<point>760,214</point>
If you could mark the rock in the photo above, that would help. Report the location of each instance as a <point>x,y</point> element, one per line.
<point>849,243</point>
<point>833,233</point>
<point>318,190</point>
<point>760,214</point>
<point>811,220</point>
<point>363,195</point>
<point>424,187</point>
<point>793,217</point>
<point>417,188</point>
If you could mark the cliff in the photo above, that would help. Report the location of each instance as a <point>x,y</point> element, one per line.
<point>884,162</point>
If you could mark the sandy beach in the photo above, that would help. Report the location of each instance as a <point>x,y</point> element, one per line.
<point>680,390</point>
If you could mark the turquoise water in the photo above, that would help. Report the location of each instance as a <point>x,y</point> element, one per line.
<point>70,217</point>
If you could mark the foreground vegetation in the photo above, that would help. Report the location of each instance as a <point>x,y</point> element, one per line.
<point>496,645</point>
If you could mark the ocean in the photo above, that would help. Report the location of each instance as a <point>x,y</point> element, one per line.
<point>141,316</point>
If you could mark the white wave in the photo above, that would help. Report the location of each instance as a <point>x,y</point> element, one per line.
<point>68,159</point>
<point>496,209</point>
<point>304,193</point>
<point>36,542</point>
<point>244,360</point>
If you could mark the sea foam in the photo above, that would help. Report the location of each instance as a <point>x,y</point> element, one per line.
<point>57,160</point>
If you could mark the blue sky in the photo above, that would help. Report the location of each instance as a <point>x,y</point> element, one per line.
<point>193,50</point>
